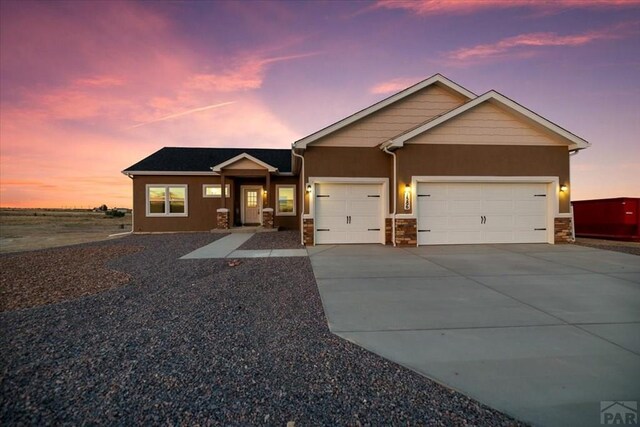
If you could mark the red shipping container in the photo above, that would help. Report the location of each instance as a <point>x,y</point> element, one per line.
<point>617,218</point>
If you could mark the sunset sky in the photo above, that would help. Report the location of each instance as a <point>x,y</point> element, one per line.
<point>89,88</point>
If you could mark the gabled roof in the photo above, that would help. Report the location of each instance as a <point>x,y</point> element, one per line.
<point>218,167</point>
<point>576,143</point>
<point>437,78</point>
<point>176,160</point>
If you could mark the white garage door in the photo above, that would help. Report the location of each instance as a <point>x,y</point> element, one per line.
<point>348,213</point>
<point>450,213</point>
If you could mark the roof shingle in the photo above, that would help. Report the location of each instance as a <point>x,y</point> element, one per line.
<point>184,159</point>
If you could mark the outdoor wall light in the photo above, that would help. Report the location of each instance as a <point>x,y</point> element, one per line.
<point>309,188</point>
<point>563,188</point>
<point>407,197</point>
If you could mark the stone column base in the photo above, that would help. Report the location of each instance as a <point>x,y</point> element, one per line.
<point>307,231</point>
<point>406,232</point>
<point>267,217</point>
<point>223,219</point>
<point>388,228</point>
<point>562,230</point>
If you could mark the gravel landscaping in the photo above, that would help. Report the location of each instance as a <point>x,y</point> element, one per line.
<point>199,342</point>
<point>632,248</point>
<point>54,275</point>
<point>288,239</point>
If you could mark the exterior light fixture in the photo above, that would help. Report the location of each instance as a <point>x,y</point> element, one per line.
<point>563,188</point>
<point>407,197</point>
<point>309,188</point>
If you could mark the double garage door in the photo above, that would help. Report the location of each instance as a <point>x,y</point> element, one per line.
<point>348,213</point>
<point>456,213</point>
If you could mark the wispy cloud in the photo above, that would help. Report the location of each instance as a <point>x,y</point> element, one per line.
<point>393,85</point>
<point>434,7</point>
<point>527,44</point>
<point>182,113</point>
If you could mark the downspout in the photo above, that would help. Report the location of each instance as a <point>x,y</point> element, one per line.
<point>302,192</point>
<point>395,197</point>
<point>573,223</point>
<point>132,207</point>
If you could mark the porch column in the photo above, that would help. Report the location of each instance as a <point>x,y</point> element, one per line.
<point>268,189</point>
<point>223,196</point>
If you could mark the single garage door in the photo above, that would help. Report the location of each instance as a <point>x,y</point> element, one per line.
<point>458,213</point>
<point>348,213</point>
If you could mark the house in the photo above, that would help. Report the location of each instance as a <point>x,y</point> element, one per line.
<point>432,164</point>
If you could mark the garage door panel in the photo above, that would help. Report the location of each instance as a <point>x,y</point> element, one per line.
<point>465,206</point>
<point>349,213</point>
<point>482,213</point>
<point>433,207</point>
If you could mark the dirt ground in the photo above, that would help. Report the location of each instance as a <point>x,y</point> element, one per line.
<point>29,229</point>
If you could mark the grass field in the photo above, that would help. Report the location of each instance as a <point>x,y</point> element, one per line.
<point>28,229</point>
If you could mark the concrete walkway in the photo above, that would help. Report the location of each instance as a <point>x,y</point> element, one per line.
<point>227,247</point>
<point>541,332</point>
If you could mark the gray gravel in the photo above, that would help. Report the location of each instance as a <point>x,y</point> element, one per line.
<point>632,248</point>
<point>197,341</point>
<point>287,239</point>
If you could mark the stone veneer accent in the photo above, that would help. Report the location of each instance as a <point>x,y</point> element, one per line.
<point>406,232</point>
<point>562,230</point>
<point>223,219</point>
<point>267,217</point>
<point>307,231</point>
<point>388,235</point>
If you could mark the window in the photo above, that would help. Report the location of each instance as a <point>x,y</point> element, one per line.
<point>214,190</point>
<point>286,202</point>
<point>252,199</point>
<point>166,200</point>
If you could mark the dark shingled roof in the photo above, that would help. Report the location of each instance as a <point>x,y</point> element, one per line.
<point>181,159</point>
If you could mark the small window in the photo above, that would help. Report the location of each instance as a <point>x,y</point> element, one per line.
<point>166,200</point>
<point>286,200</point>
<point>215,190</point>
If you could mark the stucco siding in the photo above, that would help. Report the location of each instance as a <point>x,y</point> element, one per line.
<point>201,210</point>
<point>487,124</point>
<point>347,162</point>
<point>482,160</point>
<point>394,119</point>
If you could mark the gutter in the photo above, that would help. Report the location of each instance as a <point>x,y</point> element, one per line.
<point>302,191</point>
<point>385,148</point>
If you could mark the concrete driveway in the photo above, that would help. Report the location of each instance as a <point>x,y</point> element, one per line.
<point>541,332</point>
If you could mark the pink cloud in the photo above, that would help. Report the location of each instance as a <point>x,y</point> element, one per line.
<point>525,44</point>
<point>393,85</point>
<point>432,7</point>
<point>86,75</point>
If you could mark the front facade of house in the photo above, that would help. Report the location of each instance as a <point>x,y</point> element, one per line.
<point>432,164</point>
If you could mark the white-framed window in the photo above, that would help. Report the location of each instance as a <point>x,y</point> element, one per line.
<point>285,200</point>
<point>215,190</point>
<point>166,200</point>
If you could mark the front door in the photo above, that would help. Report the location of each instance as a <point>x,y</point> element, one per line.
<point>252,205</point>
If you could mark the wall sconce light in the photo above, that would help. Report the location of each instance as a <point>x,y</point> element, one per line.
<point>563,188</point>
<point>264,193</point>
<point>407,197</point>
<point>309,188</point>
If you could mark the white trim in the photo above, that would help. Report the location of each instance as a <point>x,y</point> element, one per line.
<point>438,78</point>
<point>222,210</point>
<point>167,214</point>
<point>313,180</point>
<point>295,202</point>
<point>553,193</point>
<point>170,173</point>
<point>227,193</point>
<point>242,201</point>
<point>241,156</point>
<point>577,143</point>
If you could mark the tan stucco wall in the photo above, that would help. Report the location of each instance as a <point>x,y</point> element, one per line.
<point>482,160</point>
<point>488,124</point>
<point>201,210</point>
<point>244,164</point>
<point>394,119</point>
